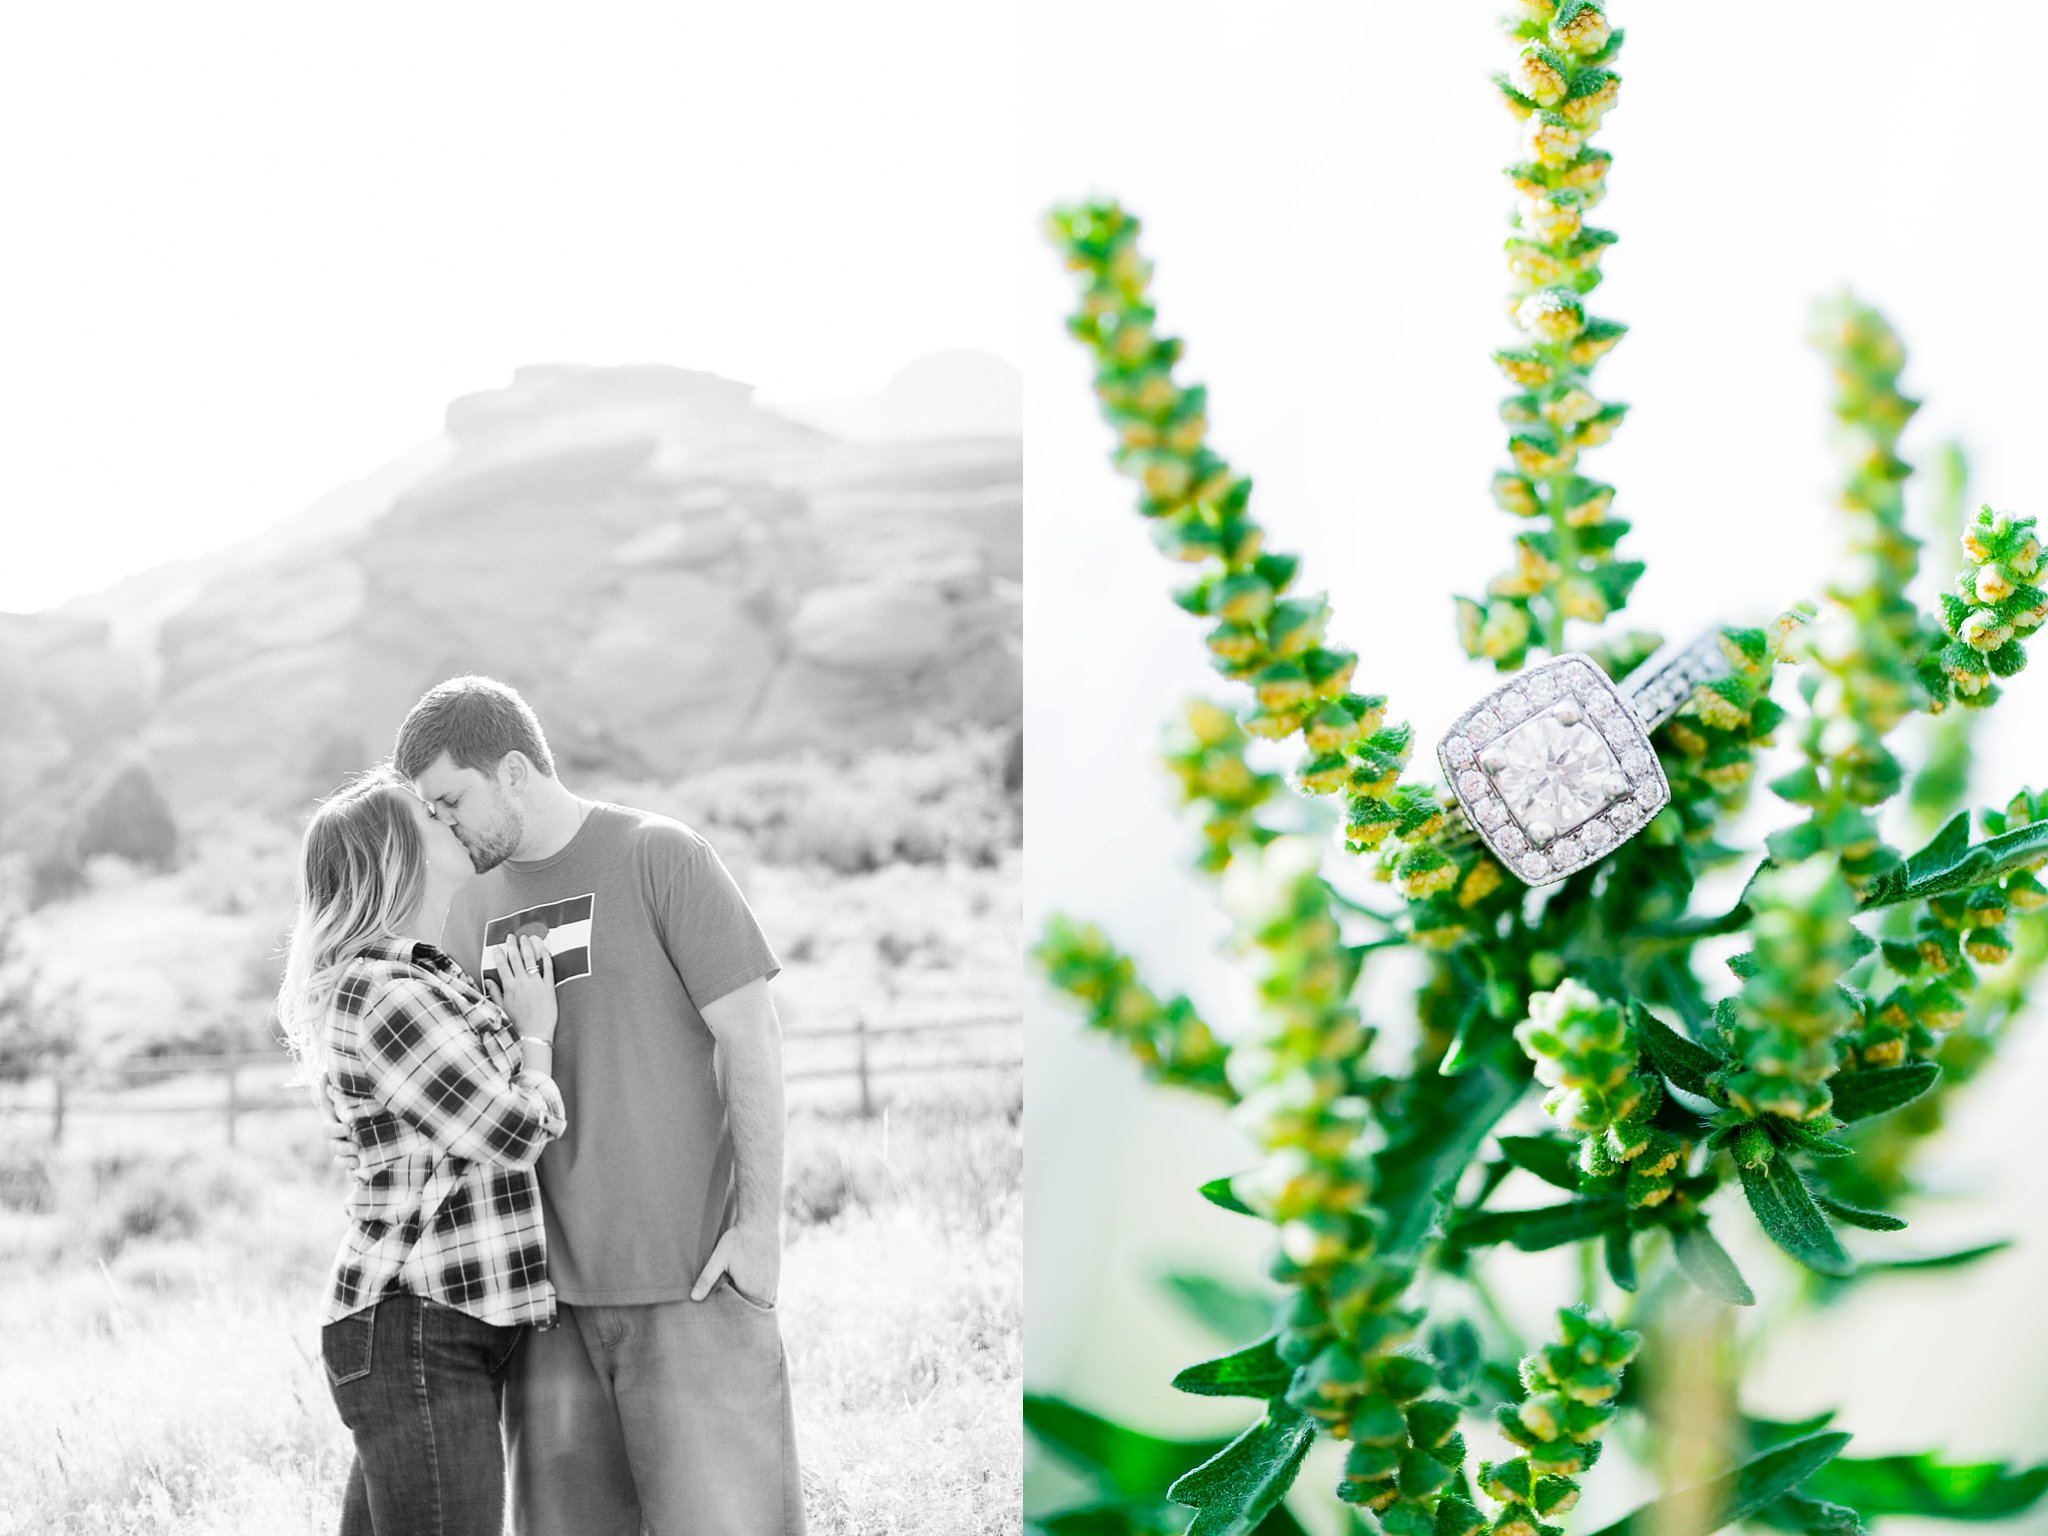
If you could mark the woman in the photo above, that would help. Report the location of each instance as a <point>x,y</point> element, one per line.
<point>448,1096</point>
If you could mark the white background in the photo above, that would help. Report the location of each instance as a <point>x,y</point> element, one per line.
<point>254,249</point>
<point>1321,191</point>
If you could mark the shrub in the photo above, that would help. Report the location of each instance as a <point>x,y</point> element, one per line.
<point>1872,982</point>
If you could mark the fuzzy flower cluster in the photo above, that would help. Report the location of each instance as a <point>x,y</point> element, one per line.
<point>1261,633</point>
<point>1981,1009</point>
<point>1783,1029</point>
<point>1709,748</point>
<point>1994,606</point>
<point>1571,1387</point>
<point>1565,566</point>
<point>1305,1104</point>
<point>1952,936</point>
<point>1206,758</point>
<point>1168,1039</point>
<point>1866,648</point>
<point>1586,1053</point>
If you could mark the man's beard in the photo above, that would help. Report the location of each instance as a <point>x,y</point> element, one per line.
<point>488,853</point>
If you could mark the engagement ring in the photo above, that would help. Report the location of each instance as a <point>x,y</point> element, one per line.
<point>1554,769</point>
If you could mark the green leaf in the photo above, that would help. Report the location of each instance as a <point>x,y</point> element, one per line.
<point>1618,1250</point>
<point>1927,1486</point>
<point>1545,1227</point>
<point>1552,1159</point>
<point>1254,1371</point>
<point>1765,1433</point>
<point>1877,1090</point>
<point>1235,1488</point>
<point>1440,1123</point>
<point>1941,868</point>
<point>1955,1259</point>
<point>1119,1460</point>
<point>1139,1517</point>
<point>1458,1351</point>
<point>1218,1192</point>
<point>1802,1516</point>
<point>1734,1495</point>
<point>1860,1216</point>
<point>1229,1311</point>
<point>1707,1265</point>
<point>1785,1210</point>
<point>1686,1063</point>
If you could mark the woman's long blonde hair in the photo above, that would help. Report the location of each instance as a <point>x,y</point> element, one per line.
<point>362,872</point>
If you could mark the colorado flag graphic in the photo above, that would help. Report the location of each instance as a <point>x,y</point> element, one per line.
<point>565,925</point>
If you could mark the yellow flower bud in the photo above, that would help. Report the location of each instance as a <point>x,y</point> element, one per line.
<point>1580,599</point>
<point>1983,631</point>
<point>1514,494</point>
<point>1552,316</point>
<point>1537,76</point>
<point>1480,882</point>
<point>1587,110</point>
<point>1531,265</point>
<point>1572,407</point>
<point>1551,140</point>
<point>1527,369</point>
<point>1592,509</point>
<point>1583,29</point>
<point>1505,632</point>
<point>1551,220</point>
<point>1992,585</point>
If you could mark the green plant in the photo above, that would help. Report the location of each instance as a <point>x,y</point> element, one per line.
<point>1803,1075</point>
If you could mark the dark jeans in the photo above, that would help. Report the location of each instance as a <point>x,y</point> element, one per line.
<point>419,1385</point>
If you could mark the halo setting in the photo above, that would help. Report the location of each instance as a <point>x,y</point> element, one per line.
<point>1554,768</point>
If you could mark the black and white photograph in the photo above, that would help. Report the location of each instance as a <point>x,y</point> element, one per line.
<point>511,772</point>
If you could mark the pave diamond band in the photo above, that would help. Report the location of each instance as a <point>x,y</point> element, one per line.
<point>1662,684</point>
<point>1554,768</point>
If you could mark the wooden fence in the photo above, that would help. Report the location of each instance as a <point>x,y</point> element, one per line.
<point>110,1090</point>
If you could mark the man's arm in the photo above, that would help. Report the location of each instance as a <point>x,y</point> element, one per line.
<point>750,1052</point>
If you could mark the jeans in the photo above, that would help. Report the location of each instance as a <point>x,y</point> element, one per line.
<point>671,1418</point>
<point>419,1386</point>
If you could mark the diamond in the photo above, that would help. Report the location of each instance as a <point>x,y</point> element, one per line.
<point>1483,726</point>
<point>1490,812</point>
<point>1565,851</point>
<point>1596,835</point>
<point>1534,865</point>
<point>1624,817</point>
<point>1635,762</point>
<point>1512,707</point>
<point>1459,751</point>
<point>1472,784</point>
<point>1542,688</point>
<point>1603,705</point>
<point>1556,772</point>
<point>1510,840</point>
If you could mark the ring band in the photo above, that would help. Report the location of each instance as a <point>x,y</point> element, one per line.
<point>1554,769</point>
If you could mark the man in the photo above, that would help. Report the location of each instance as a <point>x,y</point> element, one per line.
<point>661,1398</point>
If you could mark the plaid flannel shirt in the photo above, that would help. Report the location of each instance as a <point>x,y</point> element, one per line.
<point>447,1124</point>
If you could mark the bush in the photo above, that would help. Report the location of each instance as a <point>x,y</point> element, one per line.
<point>932,802</point>
<point>163,1199</point>
<point>25,1181</point>
<point>130,818</point>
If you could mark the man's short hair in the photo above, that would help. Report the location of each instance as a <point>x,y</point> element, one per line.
<point>476,721</point>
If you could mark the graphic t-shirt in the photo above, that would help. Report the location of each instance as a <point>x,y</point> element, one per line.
<point>645,927</point>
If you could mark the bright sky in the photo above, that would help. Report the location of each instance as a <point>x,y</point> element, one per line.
<point>254,249</point>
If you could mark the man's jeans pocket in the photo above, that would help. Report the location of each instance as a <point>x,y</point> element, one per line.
<point>733,1286</point>
<point>345,1346</point>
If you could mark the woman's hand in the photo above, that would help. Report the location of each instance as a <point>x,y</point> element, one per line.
<point>526,987</point>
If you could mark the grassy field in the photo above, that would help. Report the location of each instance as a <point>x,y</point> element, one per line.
<point>158,1365</point>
